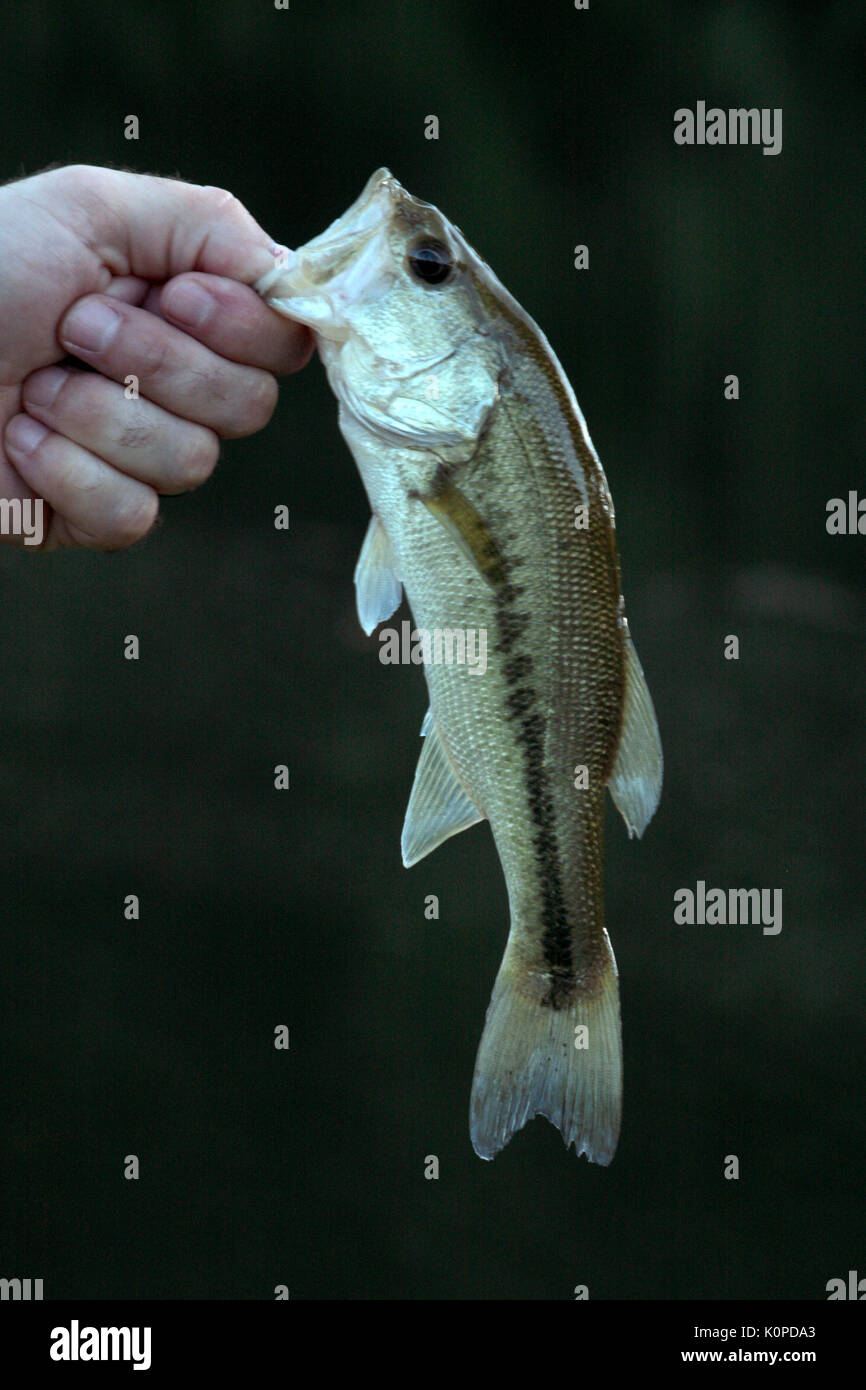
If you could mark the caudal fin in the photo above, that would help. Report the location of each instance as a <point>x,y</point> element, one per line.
<point>565,1064</point>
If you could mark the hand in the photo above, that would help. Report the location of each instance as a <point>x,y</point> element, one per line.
<point>138,277</point>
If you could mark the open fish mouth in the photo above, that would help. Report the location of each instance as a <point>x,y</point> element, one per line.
<point>347,263</point>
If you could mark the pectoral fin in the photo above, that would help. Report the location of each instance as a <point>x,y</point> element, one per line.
<point>439,806</point>
<point>636,781</point>
<point>378,591</point>
<point>466,528</point>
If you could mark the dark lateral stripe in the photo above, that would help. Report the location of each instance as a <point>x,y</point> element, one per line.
<point>556,930</point>
<point>521,708</point>
<point>457,514</point>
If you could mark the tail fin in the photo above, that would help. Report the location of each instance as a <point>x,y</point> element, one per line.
<point>532,1061</point>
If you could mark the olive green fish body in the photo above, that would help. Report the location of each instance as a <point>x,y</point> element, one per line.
<point>491,509</point>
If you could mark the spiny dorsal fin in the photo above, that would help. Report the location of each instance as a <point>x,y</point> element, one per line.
<point>378,591</point>
<point>636,781</point>
<point>439,807</point>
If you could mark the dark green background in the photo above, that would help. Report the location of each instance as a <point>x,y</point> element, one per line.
<point>258,908</point>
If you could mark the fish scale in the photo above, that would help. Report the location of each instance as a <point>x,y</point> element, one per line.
<point>477,463</point>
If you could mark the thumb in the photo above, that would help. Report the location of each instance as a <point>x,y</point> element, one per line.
<point>155,228</point>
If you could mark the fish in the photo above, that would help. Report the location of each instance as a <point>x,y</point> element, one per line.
<point>491,512</point>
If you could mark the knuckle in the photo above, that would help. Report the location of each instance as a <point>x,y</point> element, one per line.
<point>210,384</point>
<point>132,421</point>
<point>135,435</point>
<point>151,355</point>
<point>86,187</point>
<point>223,201</point>
<point>223,210</point>
<point>75,176</point>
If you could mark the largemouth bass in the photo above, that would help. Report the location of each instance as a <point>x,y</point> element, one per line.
<point>491,509</point>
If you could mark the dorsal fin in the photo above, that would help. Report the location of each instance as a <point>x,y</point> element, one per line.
<point>439,806</point>
<point>636,780</point>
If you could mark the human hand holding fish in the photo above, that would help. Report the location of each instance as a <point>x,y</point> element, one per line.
<point>490,508</point>
<point>143,280</point>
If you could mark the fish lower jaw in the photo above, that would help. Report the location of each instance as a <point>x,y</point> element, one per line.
<point>283,266</point>
<point>288,290</point>
<point>316,312</point>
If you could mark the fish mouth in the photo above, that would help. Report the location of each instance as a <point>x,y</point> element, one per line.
<point>319,282</point>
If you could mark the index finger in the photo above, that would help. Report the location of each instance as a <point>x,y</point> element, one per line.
<point>235,322</point>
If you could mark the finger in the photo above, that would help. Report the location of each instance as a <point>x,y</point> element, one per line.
<point>170,367</point>
<point>235,322</point>
<point>136,436</point>
<point>156,227</point>
<point>130,288</point>
<point>151,301</point>
<point>102,509</point>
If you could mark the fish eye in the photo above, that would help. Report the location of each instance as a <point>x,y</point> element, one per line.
<point>430,261</point>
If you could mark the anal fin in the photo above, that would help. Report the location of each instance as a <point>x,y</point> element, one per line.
<point>636,780</point>
<point>439,806</point>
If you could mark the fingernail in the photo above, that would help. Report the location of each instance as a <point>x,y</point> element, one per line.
<point>90,326</point>
<point>23,433</point>
<point>188,303</point>
<point>43,386</point>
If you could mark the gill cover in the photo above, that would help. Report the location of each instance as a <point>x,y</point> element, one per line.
<point>409,376</point>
